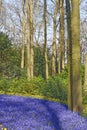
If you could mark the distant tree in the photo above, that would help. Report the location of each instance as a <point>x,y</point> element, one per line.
<point>28,38</point>
<point>45,40</point>
<point>23,32</point>
<point>61,38</point>
<point>30,49</point>
<point>31,40</point>
<point>54,38</point>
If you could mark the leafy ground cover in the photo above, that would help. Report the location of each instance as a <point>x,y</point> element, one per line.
<point>24,113</point>
<point>54,87</point>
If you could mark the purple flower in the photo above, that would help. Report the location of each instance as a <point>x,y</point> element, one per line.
<point>24,113</point>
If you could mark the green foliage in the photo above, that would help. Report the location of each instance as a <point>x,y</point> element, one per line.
<point>38,61</point>
<point>4,84</point>
<point>64,73</point>
<point>54,87</point>
<point>14,79</point>
<point>9,58</point>
<point>4,42</point>
<point>5,46</point>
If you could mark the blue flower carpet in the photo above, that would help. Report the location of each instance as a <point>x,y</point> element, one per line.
<point>24,113</point>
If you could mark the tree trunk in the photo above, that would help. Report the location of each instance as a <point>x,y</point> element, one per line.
<point>45,41</point>
<point>54,40</point>
<point>31,39</point>
<point>58,58</point>
<point>28,38</point>
<point>69,53</point>
<point>61,35</point>
<point>75,89</point>
<point>23,34</point>
<point>30,49</point>
<point>76,80</point>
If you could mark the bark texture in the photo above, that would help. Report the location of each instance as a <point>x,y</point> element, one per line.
<point>61,36</point>
<point>54,39</point>
<point>45,41</point>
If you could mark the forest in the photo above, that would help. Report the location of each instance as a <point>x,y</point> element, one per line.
<point>43,64</point>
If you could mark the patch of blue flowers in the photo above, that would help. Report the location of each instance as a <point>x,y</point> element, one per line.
<point>24,113</point>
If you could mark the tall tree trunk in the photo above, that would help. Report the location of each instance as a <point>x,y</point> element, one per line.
<point>61,35</point>
<point>45,41</point>
<point>54,40</point>
<point>75,88</point>
<point>28,39</point>
<point>23,34</point>
<point>69,53</point>
<point>30,49</point>
<point>31,39</point>
<point>58,58</point>
<point>76,80</point>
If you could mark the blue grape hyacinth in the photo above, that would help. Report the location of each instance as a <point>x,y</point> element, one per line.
<point>24,113</point>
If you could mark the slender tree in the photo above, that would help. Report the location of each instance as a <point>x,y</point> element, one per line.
<point>28,38</point>
<point>58,57</point>
<point>30,49</point>
<point>61,36</point>
<point>54,39</point>
<point>45,40</point>
<point>69,53</point>
<point>23,33</point>
<point>31,40</point>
